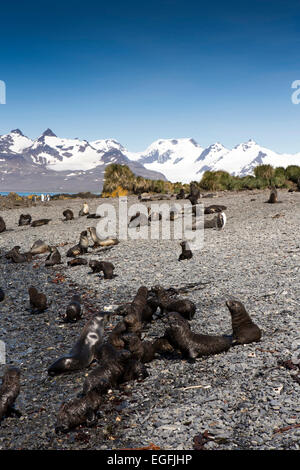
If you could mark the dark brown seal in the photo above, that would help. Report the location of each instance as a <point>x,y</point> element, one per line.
<point>16,257</point>
<point>24,219</point>
<point>68,214</point>
<point>190,344</point>
<point>243,328</point>
<point>2,295</point>
<point>85,349</point>
<point>73,311</point>
<point>186,251</point>
<point>54,257</point>
<point>78,411</point>
<point>185,307</point>
<point>102,266</point>
<point>273,198</point>
<point>194,194</point>
<point>9,391</point>
<point>77,262</point>
<point>38,223</point>
<point>143,350</point>
<point>38,300</point>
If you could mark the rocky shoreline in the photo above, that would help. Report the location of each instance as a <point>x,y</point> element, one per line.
<point>241,399</point>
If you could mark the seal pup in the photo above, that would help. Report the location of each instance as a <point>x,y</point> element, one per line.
<point>243,328</point>
<point>73,311</point>
<point>190,344</point>
<point>38,223</point>
<point>81,247</point>
<point>110,371</point>
<point>105,266</point>
<point>185,307</point>
<point>194,194</point>
<point>2,295</point>
<point>14,250</point>
<point>16,257</point>
<point>181,194</point>
<point>273,198</point>
<point>214,208</point>
<point>81,410</point>
<point>2,225</point>
<point>39,247</point>
<point>77,262</point>
<point>9,391</point>
<point>143,350</point>
<point>38,300</point>
<point>186,251</point>
<point>138,220</point>
<point>68,215</point>
<point>24,219</point>
<point>54,257</point>
<point>84,210</point>
<point>84,350</point>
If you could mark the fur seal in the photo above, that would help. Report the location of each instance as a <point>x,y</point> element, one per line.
<point>273,198</point>
<point>84,350</point>
<point>138,220</point>
<point>214,208</point>
<point>185,307</point>
<point>81,410</point>
<point>186,251</point>
<point>77,262</point>
<point>181,194</point>
<point>243,328</point>
<point>39,247</point>
<point>2,225</point>
<point>38,300</point>
<point>9,391</point>
<point>38,223</point>
<point>68,214</point>
<point>190,344</point>
<point>73,311</point>
<point>110,371</point>
<point>93,234</point>
<point>81,248</point>
<point>54,257</point>
<point>24,219</point>
<point>16,257</point>
<point>2,295</point>
<point>84,210</point>
<point>93,216</point>
<point>106,267</point>
<point>194,194</point>
<point>142,350</point>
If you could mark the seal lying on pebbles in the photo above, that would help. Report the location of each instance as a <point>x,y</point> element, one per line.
<point>214,208</point>
<point>16,257</point>
<point>54,257</point>
<point>38,223</point>
<point>143,350</point>
<point>2,225</point>
<point>68,214</point>
<point>77,262</point>
<point>138,220</point>
<point>93,234</point>
<point>84,350</point>
<point>105,266</point>
<point>190,344</point>
<point>2,295</point>
<point>38,300</point>
<point>9,391</point>
<point>73,311</point>
<point>93,216</point>
<point>84,210</point>
<point>186,251</point>
<point>81,247</point>
<point>78,411</point>
<point>24,219</point>
<point>185,307</point>
<point>39,247</point>
<point>243,328</point>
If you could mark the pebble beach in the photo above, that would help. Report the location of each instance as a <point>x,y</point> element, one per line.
<point>242,399</point>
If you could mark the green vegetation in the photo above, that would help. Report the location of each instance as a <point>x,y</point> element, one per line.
<point>119,179</point>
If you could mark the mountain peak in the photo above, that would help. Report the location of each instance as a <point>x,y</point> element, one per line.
<point>17,131</point>
<point>48,133</point>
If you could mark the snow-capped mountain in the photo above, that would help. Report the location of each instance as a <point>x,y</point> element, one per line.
<point>185,160</point>
<point>51,163</point>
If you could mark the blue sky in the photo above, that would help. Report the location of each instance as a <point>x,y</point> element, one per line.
<point>140,71</point>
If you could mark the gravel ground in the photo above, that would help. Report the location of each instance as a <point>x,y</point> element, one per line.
<point>240,397</point>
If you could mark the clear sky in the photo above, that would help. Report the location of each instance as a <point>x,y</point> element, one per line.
<point>141,70</point>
